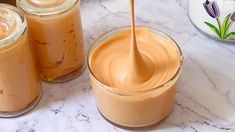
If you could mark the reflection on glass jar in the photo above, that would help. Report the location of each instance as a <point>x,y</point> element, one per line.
<point>149,102</point>
<point>56,34</point>
<point>20,88</point>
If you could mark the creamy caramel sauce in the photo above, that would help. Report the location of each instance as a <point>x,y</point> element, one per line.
<point>134,63</point>
<point>134,73</point>
<point>120,103</point>
<point>57,41</point>
<point>19,83</point>
<point>135,68</point>
<point>111,60</point>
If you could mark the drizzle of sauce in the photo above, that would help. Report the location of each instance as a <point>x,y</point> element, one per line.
<point>136,68</point>
<point>131,61</point>
<point>135,58</point>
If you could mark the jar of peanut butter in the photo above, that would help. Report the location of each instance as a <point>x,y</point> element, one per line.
<point>20,88</point>
<point>56,35</point>
<point>142,102</point>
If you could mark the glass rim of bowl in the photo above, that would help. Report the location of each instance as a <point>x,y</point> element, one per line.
<point>125,92</point>
<point>37,11</point>
<point>14,36</point>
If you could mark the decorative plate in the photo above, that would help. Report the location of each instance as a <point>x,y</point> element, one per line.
<point>215,18</point>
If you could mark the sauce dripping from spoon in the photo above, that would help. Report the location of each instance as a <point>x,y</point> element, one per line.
<point>136,68</point>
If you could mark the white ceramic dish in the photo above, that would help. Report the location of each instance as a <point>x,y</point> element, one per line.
<point>215,18</point>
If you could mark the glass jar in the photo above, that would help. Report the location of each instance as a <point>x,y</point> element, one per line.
<point>214,18</point>
<point>20,88</point>
<point>56,34</point>
<point>134,109</point>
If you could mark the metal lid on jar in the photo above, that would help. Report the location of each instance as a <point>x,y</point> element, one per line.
<point>12,24</point>
<point>45,7</point>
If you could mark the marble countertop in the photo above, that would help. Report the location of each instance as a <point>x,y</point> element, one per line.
<point>205,99</point>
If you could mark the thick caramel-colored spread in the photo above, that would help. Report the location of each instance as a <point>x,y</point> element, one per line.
<point>19,82</point>
<point>151,65</point>
<point>134,75</point>
<point>57,40</point>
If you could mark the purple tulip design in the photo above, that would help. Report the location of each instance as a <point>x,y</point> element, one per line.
<point>211,8</point>
<point>232,34</point>
<point>222,30</point>
<point>233,16</point>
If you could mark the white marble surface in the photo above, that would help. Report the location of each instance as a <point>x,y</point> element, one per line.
<point>205,100</point>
